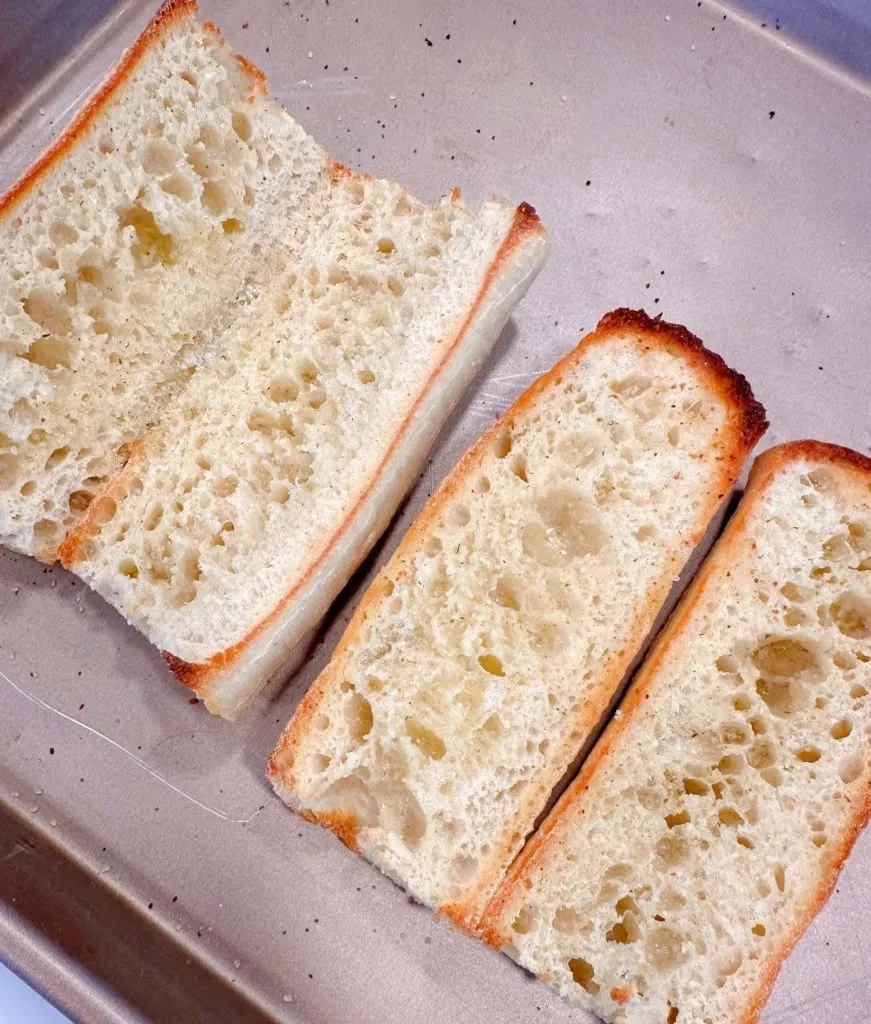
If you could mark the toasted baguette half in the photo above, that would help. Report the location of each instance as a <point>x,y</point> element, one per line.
<point>224,356</point>
<point>486,651</point>
<point>710,823</point>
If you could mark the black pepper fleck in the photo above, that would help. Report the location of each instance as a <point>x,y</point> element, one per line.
<point>51,750</point>
<point>770,114</point>
<point>427,41</point>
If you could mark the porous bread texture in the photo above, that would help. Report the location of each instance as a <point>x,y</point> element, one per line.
<point>217,351</point>
<point>489,646</point>
<point>276,437</point>
<point>710,823</point>
<point>126,263</point>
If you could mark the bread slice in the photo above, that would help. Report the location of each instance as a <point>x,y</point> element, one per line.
<point>486,651</point>
<point>224,355</point>
<point>709,824</point>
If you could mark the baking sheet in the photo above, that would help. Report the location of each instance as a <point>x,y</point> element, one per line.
<point>685,160</point>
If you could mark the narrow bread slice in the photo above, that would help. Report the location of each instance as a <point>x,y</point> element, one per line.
<point>709,824</point>
<point>486,651</point>
<point>224,356</point>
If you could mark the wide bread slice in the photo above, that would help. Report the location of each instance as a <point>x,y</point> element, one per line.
<point>710,823</point>
<point>486,651</point>
<point>224,356</point>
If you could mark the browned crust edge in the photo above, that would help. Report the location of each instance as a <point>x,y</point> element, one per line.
<point>199,677</point>
<point>169,14</point>
<point>732,385</point>
<point>747,423</point>
<point>89,525</point>
<point>764,469</point>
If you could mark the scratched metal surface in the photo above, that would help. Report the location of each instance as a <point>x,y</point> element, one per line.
<point>685,160</point>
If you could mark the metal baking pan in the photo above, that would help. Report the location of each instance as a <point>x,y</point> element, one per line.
<point>685,159</point>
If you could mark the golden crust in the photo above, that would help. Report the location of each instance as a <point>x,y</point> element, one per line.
<point>745,425</point>
<point>169,14</point>
<point>720,560</point>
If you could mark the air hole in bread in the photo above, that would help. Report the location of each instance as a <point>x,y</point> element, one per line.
<point>842,729</point>
<point>358,715</point>
<point>733,733</point>
<point>746,842</point>
<point>48,259</point>
<point>850,769</point>
<point>400,811</point>
<point>506,592</point>
<point>726,663</point>
<point>631,386</point>
<point>232,226</point>
<point>858,691</point>
<point>665,948</point>
<point>103,510</point>
<point>673,1015</point>
<point>821,480</point>
<point>678,818</point>
<point>9,468</point>
<point>79,501</point>
<point>731,764</point>
<point>49,313</point>
<point>322,722</point>
<point>217,197</point>
<point>625,931</point>
<point>808,755</point>
<point>583,974</point>
<point>159,157</point>
<point>695,787</point>
<point>852,615</point>
<point>274,163</point>
<point>493,725</point>
<point>742,702</point>
<point>152,245</point>
<point>386,246</point>
<point>518,468</point>
<point>283,389</point>
<point>819,840</point>
<point>673,849</point>
<point>761,755</point>
<point>491,664</point>
<point>62,234</point>
<point>241,125</point>
<point>57,457</point>
<point>179,186</point>
<point>793,592</point>
<point>758,725</point>
<point>366,376</point>
<point>503,445</point>
<point>836,549</point>
<point>729,816</point>
<point>127,567</point>
<point>783,696</point>
<point>316,397</point>
<point>427,741</point>
<point>524,922</point>
<point>795,617</point>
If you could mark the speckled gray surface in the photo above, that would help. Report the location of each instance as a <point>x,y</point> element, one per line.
<point>685,160</point>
